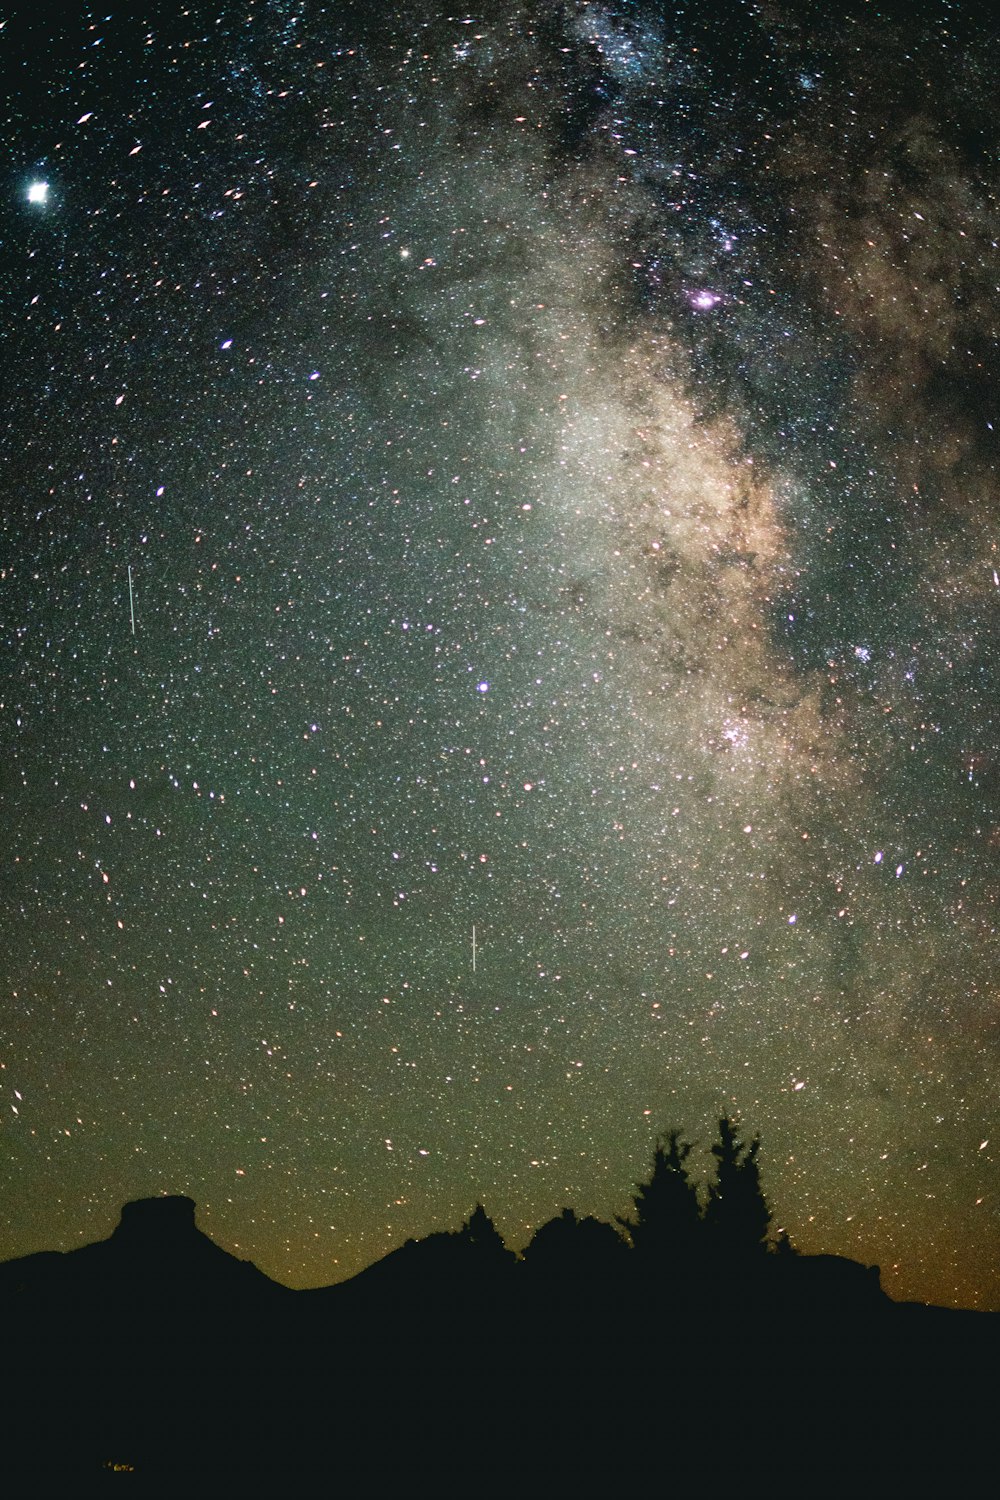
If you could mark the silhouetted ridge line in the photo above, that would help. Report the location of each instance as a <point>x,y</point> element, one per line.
<point>192,1373</point>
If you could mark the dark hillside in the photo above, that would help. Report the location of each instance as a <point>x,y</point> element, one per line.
<point>156,1361</point>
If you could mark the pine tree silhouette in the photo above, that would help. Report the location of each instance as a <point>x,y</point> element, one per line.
<point>481,1236</point>
<point>667,1221</point>
<point>737,1215</point>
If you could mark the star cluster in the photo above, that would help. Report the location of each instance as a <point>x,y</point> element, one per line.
<point>532,469</point>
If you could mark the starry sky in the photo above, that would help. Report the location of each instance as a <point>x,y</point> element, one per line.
<point>531,468</point>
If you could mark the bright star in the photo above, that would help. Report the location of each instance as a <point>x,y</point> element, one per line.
<point>38,192</point>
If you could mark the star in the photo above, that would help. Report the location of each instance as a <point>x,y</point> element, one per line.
<point>605,357</point>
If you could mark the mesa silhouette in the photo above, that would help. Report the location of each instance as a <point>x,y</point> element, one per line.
<point>683,1351</point>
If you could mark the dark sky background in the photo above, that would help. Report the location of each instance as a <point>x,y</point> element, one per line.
<point>554,448</point>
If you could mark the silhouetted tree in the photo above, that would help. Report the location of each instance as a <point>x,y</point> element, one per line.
<point>736,1215</point>
<point>481,1235</point>
<point>568,1246</point>
<point>667,1220</point>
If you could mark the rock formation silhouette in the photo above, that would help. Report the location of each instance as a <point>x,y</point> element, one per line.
<point>156,1357</point>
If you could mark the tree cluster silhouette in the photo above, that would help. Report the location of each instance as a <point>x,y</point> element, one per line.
<point>556,1372</point>
<point>677,1230</point>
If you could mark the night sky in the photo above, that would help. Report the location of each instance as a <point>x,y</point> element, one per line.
<point>553,447</point>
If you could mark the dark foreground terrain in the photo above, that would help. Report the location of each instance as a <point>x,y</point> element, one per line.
<point>154,1363</point>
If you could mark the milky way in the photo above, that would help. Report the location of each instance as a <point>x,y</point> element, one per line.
<point>553,449</point>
